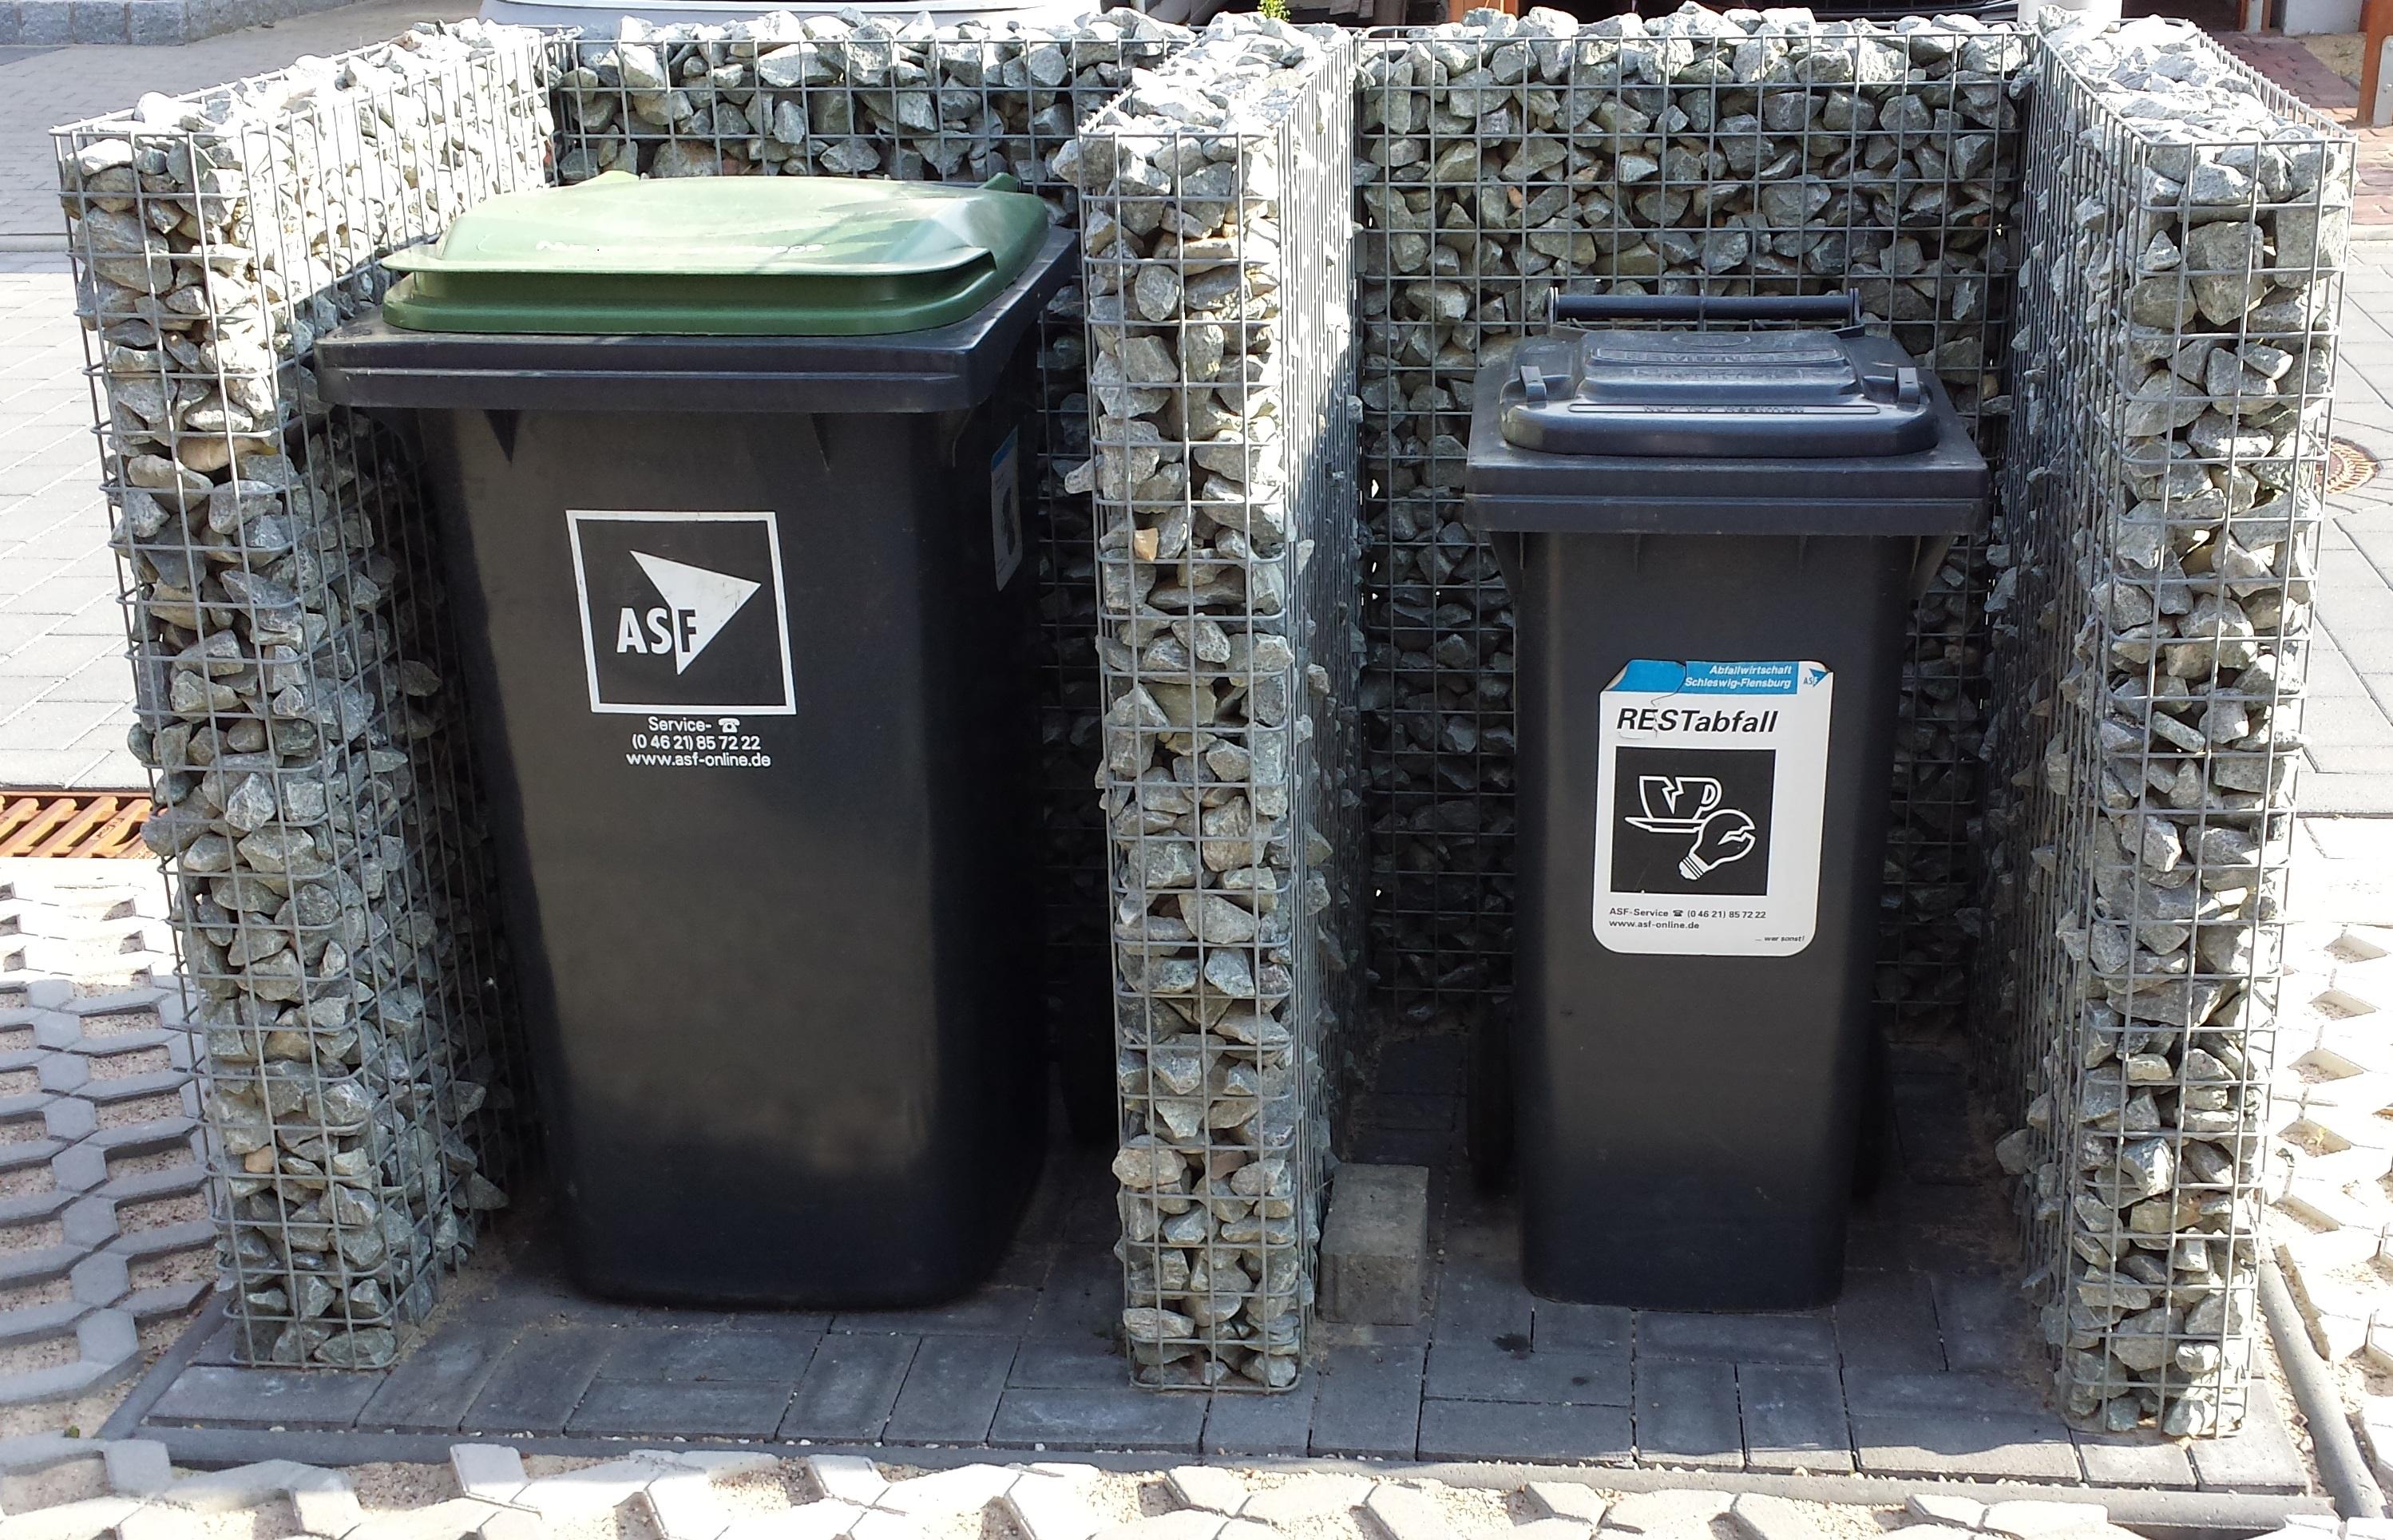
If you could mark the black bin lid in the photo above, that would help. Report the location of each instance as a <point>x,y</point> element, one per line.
<point>1811,432</point>
<point>1805,394</point>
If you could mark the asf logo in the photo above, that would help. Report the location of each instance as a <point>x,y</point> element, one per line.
<point>1699,824</point>
<point>698,604</point>
<point>683,611</point>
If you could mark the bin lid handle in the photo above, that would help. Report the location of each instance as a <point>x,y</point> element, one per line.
<point>1843,309</point>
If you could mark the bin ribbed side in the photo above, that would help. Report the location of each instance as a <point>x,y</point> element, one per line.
<point>1502,158</point>
<point>2186,224</point>
<point>831,96</point>
<point>294,679</point>
<point>1215,221</point>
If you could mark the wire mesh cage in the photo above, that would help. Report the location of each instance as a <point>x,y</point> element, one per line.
<point>836,96</point>
<point>295,695</point>
<point>1501,159</point>
<point>2185,229</point>
<point>1215,211</point>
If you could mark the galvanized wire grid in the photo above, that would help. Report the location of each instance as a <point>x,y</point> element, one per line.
<point>291,673</point>
<point>2184,226</point>
<point>1222,372</point>
<point>828,97</point>
<point>1501,158</point>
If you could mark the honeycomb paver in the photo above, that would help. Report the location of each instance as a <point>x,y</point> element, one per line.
<point>72,1119</point>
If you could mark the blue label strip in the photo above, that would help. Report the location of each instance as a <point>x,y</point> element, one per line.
<point>1652,675</point>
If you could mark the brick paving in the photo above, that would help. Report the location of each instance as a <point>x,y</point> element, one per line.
<point>1928,1365</point>
<point>129,1487</point>
<point>104,1226</point>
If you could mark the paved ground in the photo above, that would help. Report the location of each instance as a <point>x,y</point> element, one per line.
<point>493,1491</point>
<point>1928,1366</point>
<point>105,1241</point>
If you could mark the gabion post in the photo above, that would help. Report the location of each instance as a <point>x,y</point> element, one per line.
<point>1503,157</point>
<point>1214,224</point>
<point>291,674</point>
<point>2186,227</point>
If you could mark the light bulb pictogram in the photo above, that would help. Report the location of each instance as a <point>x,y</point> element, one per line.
<point>1725,836</point>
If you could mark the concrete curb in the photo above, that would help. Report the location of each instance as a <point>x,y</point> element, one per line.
<point>2342,1468</point>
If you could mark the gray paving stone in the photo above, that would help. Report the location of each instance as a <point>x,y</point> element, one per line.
<point>952,1391</point>
<point>539,1382</point>
<point>1887,1320</point>
<point>680,1409</point>
<point>2127,1459</point>
<point>1366,1401</point>
<point>1736,1338</point>
<point>1794,1416</point>
<point>1068,1363</point>
<point>1081,1298</point>
<point>146,1305</point>
<point>40,1323</point>
<point>265,1397</point>
<point>1950,1443</point>
<point>100,1279</point>
<point>2259,1456</point>
<point>700,1352</point>
<point>1121,1417</point>
<point>849,1388</point>
<point>137,1468</point>
<point>1561,1327</point>
<point>984,1313</point>
<point>1981,1320</point>
<point>1484,1301</point>
<point>1472,1370</point>
<point>1375,1245</point>
<point>430,1390</point>
<point>1881,1392</point>
<point>1262,1427</point>
<point>1687,1414</point>
<point>1510,1431</point>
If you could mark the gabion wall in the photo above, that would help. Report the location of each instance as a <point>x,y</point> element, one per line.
<point>831,96</point>
<point>1501,158</point>
<point>1215,221</point>
<point>2184,226</point>
<point>292,676</point>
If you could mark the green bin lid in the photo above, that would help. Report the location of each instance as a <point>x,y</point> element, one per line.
<point>720,256</point>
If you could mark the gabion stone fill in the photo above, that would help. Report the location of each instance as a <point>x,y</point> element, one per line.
<point>291,671</point>
<point>847,97</point>
<point>1502,158</point>
<point>1214,218</point>
<point>2186,228</point>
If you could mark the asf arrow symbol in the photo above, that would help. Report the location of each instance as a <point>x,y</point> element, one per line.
<point>703,602</point>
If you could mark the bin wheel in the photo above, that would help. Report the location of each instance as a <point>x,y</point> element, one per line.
<point>1873,1149</point>
<point>1488,1119</point>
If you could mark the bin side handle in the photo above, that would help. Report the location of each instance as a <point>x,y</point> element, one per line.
<point>1843,309</point>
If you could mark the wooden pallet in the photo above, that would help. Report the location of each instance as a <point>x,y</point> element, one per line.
<point>62,824</point>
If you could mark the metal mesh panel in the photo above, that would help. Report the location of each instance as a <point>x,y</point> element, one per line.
<point>1501,158</point>
<point>830,97</point>
<point>1215,211</point>
<point>2185,224</point>
<point>293,676</point>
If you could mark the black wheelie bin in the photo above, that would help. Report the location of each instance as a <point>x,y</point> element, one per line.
<point>1713,540</point>
<point>729,477</point>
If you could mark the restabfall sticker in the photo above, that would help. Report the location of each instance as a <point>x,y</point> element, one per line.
<point>1709,803</point>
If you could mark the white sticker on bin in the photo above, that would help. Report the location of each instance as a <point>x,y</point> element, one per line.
<point>1711,789</point>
